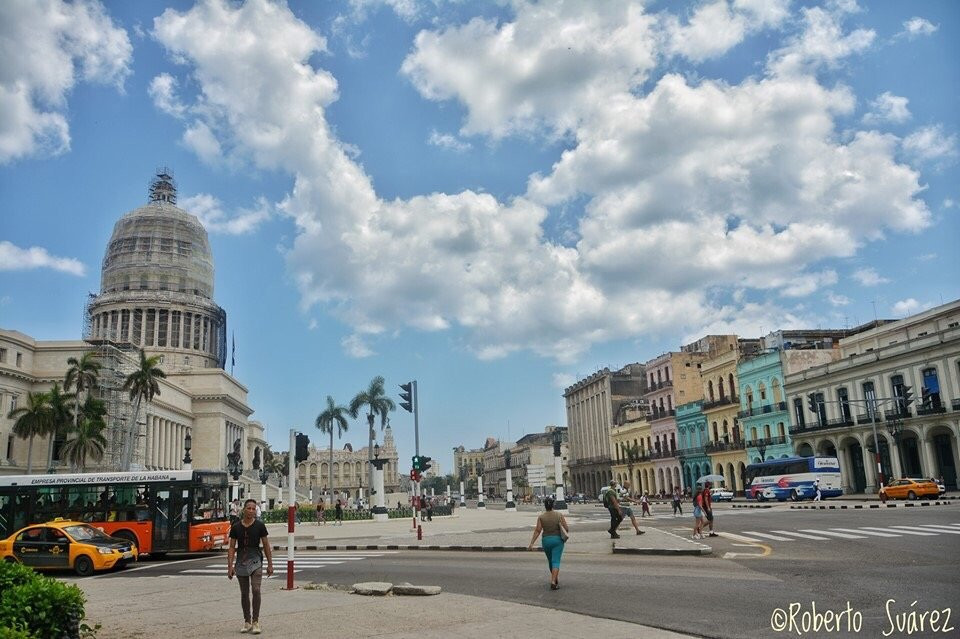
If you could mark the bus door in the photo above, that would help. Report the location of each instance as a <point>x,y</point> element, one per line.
<point>6,516</point>
<point>170,520</point>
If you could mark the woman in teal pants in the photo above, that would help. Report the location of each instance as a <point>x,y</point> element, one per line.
<point>555,531</point>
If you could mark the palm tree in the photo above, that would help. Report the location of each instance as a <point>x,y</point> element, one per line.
<point>377,403</point>
<point>332,416</point>
<point>88,441</point>
<point>82,374</point>
<point>32,420</point>
<point>142,385</point>
<point>61,417</point>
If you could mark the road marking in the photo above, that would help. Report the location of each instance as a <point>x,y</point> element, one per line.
<point>913,530</point>
<point>767,536</point>
<point>867,532</point>
<point>939,527</point>
<point>801,535</point>
<point>221,573</point>
<point>739,537</point>
<point>905,532</point>
<point>834,534</point>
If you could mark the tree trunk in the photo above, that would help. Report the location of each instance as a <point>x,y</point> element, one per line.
<point>370,451</point>
<point>128,443</point>
<point>30,456</point>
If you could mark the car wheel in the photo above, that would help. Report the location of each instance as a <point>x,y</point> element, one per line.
<point>760,497</point>
<point>911,495</point>
<point>83,565</point>
<point>794,496</point>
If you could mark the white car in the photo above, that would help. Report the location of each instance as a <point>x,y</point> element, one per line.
<point>721,494</point>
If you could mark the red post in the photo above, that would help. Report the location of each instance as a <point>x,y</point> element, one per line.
<point>419,533</point>
<point>291,518</point>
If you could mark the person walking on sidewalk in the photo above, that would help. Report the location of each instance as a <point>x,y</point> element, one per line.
<point>555,531</point>
<point>708,507</point>
<point>612,504</point>
<point>338,513</point>
<point>645,505</point>
<point>321,513</point>
<point>677,507</point>
<point>628,510</point>
<point>816,488</point>
<point>248,545</point>
<point>698,516</point>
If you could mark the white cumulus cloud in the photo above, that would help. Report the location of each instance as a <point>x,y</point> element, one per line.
<point>909,306</point>
<point>211,214</point>
<point>447,141</point>
<point>48,46</point>
<point>869,277</point>
<point>930,143</point>
<point>916,26</point>
<point>14,258</point>
<point>887,108</point>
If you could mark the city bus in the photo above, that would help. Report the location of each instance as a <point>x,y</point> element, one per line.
<point>793,478</point>
<point>159,511</point>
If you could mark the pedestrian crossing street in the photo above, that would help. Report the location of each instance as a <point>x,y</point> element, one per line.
<point>828,534</point>
<point>303,561</point>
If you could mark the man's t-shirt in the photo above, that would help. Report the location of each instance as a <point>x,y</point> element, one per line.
<point>248,537</point>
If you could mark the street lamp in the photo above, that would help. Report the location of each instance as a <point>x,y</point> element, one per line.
<point>895,428</point>
<point>380,509</point>
<point>560,501</point>
<point>235,468</point>
<point>187,445</point>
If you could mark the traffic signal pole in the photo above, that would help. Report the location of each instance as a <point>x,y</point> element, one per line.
<point>416,427</point>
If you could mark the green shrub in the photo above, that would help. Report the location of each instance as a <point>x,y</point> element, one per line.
<point>37,606</point>
<point>14,633</point>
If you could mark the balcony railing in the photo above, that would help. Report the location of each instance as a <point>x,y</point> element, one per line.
<point>662,454</point>
<point>932,410</point>
<point>766,441</point>
<point>657,413</point>
<point>955,405</point>
<point>723,401</point>
<point>762,410</point>
<point>865,419</point>
<point>897,413</point>
<point>690,452</point>
<point>840,421</point>
<point>719,447</point>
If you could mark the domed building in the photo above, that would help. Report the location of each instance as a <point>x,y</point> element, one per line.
<point>156,293</point>
<point>156,285</point>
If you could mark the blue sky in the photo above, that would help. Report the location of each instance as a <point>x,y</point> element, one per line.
<point>492,198</point>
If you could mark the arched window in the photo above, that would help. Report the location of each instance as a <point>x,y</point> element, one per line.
<point>753,434</point>
<point>780,432</point>
<point>710,389</point>
<point>762,389</point>
<point>777,394</point>
<point>748,394</point>
<point>766,431</point>
<point>733,386</point>
<point>720,388</point>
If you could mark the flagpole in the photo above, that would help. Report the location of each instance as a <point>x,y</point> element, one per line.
<point>233,352</point>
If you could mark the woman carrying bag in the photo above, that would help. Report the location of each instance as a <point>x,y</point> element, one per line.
<point>555,531</point>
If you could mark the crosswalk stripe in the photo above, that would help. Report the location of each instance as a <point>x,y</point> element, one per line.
<point>834,534</point>
<point>801,535</point>
<point>915,529</point>
<point>221,571</point>
<point>767,536</point>
<point>905,532</point>
<point>739,537</point>
<point>867,532</point>
<point>940,527</point>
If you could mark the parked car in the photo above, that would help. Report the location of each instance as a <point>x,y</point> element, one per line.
<point>939,483</point>
<point>721,494</point>
<point>67,544</point>
<point>909,488</point>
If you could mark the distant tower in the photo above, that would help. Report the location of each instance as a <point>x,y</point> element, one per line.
<point>156,285</point>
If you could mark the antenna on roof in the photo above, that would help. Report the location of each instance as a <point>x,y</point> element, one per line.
<point>163,188</point>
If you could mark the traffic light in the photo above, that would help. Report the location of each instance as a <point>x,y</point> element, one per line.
<point>906,397</point>
<point>812,402</point>
<point>301,453</point>
<point>424,464</point>
<point>417,462</point>
<point>407,397</point>
<point>413,475</point>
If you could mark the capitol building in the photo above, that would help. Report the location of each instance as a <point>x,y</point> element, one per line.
<point>156,293</point>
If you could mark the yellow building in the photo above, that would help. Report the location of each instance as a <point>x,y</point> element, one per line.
<point>721,404</point>
<point>630,448</point>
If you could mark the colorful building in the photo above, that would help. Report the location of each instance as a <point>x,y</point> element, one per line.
<point>691,438</point>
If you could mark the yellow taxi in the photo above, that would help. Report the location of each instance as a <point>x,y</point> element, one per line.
<point>910,489</point>
<point>67,544</point>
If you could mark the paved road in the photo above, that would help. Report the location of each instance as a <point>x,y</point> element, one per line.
<point>764,560</point>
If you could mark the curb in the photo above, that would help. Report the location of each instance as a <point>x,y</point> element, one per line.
<point>909,504</point>
<point>702,550</point>
<point>754,506</point>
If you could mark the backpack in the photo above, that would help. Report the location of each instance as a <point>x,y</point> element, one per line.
<point>608,499</point>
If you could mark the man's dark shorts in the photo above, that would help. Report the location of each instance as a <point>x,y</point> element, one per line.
<point>709,515</point>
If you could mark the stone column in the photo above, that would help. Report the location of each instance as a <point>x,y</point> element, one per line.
<point>380,510</point>
<point>560,503</point>
<point>510,506</point>
<point>844,458</point>
<point>870,470</point>
<point>480,504</point>
<point>895,458</point>
<point>463,497</point>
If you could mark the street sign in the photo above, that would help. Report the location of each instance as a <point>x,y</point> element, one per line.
<point>536,475</point>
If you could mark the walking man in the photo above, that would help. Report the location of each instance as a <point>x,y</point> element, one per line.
<point>248,545</point>
<point>645,505</point>
<point>612,504</point>
<point>816,488</point>
<point>677,507</point>
<point>628,510</point>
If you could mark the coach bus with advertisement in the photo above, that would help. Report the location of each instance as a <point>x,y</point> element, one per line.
<point>159,511</point>
<point>794,478</point>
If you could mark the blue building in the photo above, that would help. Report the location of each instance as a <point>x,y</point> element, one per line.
<point>764,418</point>
<point>691,438</point>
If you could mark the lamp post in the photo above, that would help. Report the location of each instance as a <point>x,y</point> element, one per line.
<point>380,509</point>
<point>235,468</point>
<point>463,497</point>
<point>264,476</point>
<point>681,458</point>
<point>559,498</point>
<point>895,428</point>
<point>480,504</point>
<point>510,505</point>
<point>187,445</point>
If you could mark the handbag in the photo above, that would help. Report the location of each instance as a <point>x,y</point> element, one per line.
<point>563,535</point>
<point>249,561</point>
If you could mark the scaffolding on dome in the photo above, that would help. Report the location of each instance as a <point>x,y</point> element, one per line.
<point>163,188</point>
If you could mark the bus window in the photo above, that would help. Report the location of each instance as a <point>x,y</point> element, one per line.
<point>207,503</point>
<point>6,520</point>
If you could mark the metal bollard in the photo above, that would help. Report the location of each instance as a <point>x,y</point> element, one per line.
<point>414,522</point>
<point>419,533</point>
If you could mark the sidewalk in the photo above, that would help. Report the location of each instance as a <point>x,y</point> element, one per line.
<point>203,607</point>
<point>477,531</point>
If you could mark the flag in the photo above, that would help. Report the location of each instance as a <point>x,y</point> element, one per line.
<point>233,352</point>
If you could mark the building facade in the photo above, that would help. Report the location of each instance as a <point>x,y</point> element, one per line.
<point>349,468</point>
<point>630,442</point>
<point>469,461</point>
<point>592,405</point>
<point>532,463</point>
<point>862,407</point>
<point>692,438</point>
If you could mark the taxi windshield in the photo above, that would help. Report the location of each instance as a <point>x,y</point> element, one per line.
<point>84,532</point>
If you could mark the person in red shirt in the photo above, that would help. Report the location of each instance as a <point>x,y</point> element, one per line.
<point>708,507</point>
